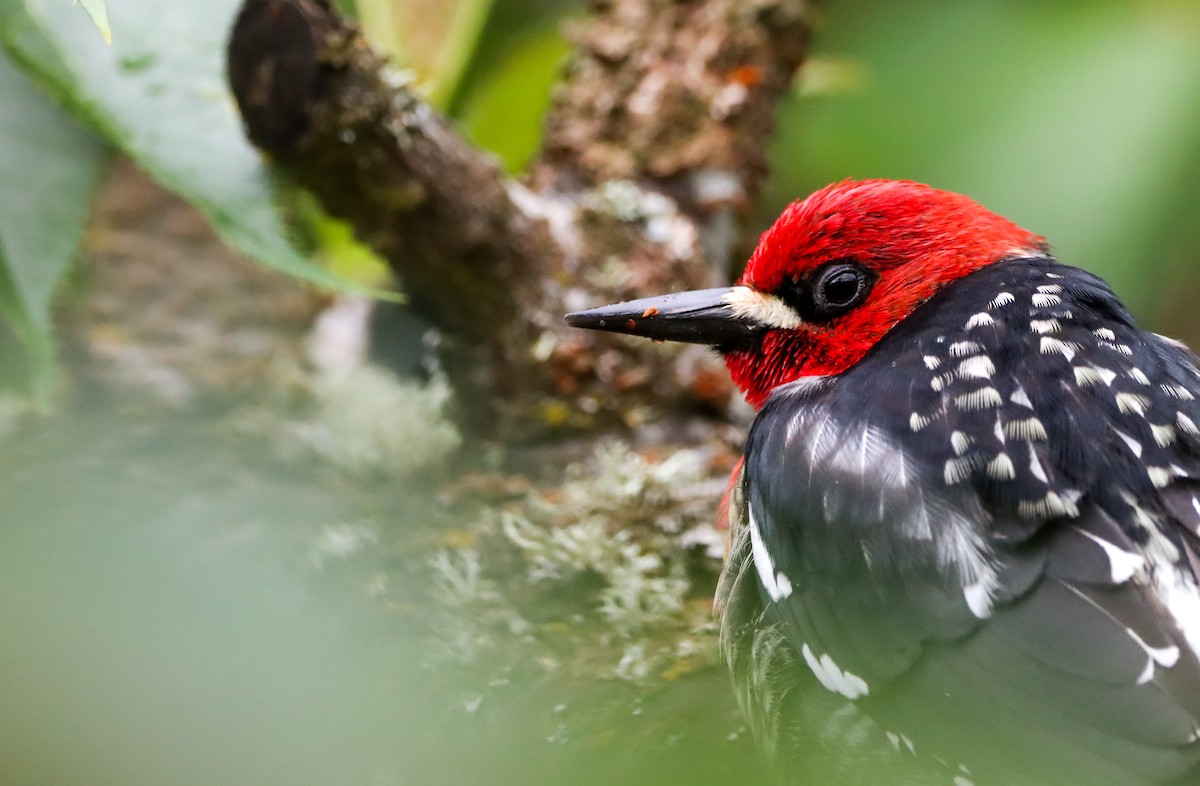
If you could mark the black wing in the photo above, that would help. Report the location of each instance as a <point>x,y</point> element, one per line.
<point>985,534</point>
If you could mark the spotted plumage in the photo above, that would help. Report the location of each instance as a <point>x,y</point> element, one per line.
<point>1031,547</point>
<point>965,536</point>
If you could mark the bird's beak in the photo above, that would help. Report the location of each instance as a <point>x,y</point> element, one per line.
<point>702,316</point>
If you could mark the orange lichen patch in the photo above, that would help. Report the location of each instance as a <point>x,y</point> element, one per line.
<point>652,311</point>
<point>747,75</point>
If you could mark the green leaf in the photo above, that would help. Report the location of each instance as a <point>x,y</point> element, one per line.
<point>98,11</point>
<point>159,93</point>
<point>48,169</point>
<point>504,112</point>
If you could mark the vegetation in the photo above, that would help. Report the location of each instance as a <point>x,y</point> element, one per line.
<point>242,548</point>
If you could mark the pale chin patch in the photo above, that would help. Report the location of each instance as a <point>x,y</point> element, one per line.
<point>762,309</point>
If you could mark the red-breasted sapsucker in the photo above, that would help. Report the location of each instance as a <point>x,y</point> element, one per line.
<point>967,523</point>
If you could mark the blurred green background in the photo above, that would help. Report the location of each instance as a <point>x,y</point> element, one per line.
<point>163,617</point>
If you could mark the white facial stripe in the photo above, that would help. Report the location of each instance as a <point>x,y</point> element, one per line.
<point>762,309</point>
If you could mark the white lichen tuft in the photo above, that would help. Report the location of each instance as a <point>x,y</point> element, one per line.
<point>340,541</point>
<point>639,590</point>
<point>458,577</point>
<point>366,420</point>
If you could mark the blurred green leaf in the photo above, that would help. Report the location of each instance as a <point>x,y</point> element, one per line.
<point>1071,118</point>
<point>435,38</point>
<point>48,169</point>
<point>159,94</point>
<point>98,11</point>
<point>504,113</point>
<point>342,253</point>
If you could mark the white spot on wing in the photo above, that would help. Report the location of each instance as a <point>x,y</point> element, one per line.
<point>961,442</point>
<point>1162,656</point>
<point>1121,563</point>
<point>833,678</point>
<point>1147,673</point>
<point>979,596</point>
<point>1105,333</point>
<point>1001,300</point>
<point>1132,443</point>
<point>983,398</point>
<point>1053,346</point>
<point>1050,506</point>
<point>1159,476</point>
<point>1165,656</point>
<point>1178,391</point>
<point>1020,398</point>
<point>932,362</point>
<point>981,319</point>
<point>1001,467</point>
<point>1132,402</point>
<point>1035,465</point>
<point>1163,435</point>
<point>960,349</point>
<point>977,366</point>
<point>1042,300</point>
<point>1026,428</point>
<point>1139,376</point>
<point>1044,325</point>
<point>775,583</point>
<point>1186,423</point>
<point>917,422</point>
<point>957,470</point>
<point>1050,289</point>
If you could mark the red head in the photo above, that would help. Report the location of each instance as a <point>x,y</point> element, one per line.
<point>833,274</point>
<point>907,239</point>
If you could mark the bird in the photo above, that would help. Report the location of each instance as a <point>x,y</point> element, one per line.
<point>965,530</point>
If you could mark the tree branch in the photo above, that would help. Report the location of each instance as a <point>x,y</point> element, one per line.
<point>653,149</point>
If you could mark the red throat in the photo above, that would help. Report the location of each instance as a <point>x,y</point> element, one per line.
<point>914,238</point>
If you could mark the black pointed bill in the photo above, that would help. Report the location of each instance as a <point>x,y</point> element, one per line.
<point>702,316</point>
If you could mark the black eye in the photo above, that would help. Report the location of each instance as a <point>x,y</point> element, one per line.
<point>829,291</point>
<point>832,290</point>
<point>839,287</point>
